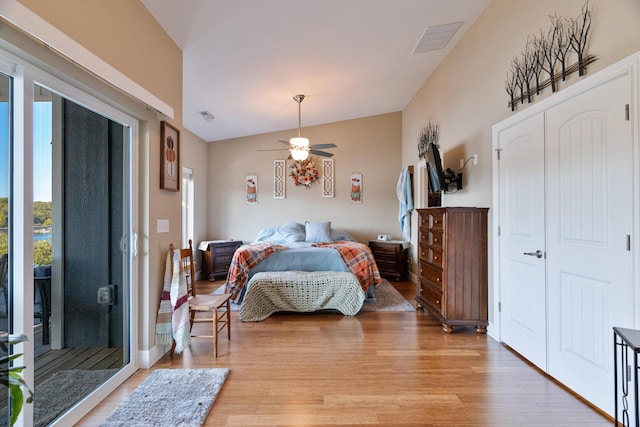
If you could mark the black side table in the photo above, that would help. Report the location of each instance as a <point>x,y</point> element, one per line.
<point>625,340</point>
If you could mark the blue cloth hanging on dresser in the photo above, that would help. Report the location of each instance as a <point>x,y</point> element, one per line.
<point>405,198</point>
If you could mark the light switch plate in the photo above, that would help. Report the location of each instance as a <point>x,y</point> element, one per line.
<point>162,226</point>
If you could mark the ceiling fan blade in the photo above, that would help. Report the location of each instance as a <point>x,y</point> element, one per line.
<point>321,153</point>
<point>315,146</point>
<point>284,142</point>
<point>274,149</point>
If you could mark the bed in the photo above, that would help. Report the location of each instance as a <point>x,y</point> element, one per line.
<point>296,247</point>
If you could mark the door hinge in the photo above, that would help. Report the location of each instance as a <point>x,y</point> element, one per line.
<point>626,112</point>
<point>499,231</point>
<point>499,307</point>
<point>498,150</point>
<point>629,242</point>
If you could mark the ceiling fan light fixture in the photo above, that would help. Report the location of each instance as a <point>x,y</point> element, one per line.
<point>299,154</point>
<point>299,142</point>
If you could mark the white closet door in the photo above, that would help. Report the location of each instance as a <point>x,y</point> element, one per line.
<point>522,277</point>
<point>589,208</point>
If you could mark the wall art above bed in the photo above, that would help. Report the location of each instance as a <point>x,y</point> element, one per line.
<point>356,187</point>
<point>304,173</point>
<point>251,186</point>
<point>279,181</point>
<point>327,177</point>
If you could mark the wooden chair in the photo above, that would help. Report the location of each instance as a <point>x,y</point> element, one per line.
<point>217,307</point>
<point>42,281</point>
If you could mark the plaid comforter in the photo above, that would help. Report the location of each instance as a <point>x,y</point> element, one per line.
<point>357,258</point>
<point>244,259</point>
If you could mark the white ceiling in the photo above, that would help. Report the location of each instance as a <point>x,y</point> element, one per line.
<point>244,60</point>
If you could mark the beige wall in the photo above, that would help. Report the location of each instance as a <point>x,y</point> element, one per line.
<point>466,93</point>
<point>369,145</point>
<point>194,156</point>
<point>125,35</point>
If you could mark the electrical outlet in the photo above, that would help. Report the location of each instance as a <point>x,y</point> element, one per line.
<point>475,159</point>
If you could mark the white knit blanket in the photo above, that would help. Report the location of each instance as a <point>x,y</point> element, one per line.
<point>172,322</point>
<point>301,291</point>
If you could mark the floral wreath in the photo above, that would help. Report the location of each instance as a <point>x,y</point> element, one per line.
<point>303,173</point>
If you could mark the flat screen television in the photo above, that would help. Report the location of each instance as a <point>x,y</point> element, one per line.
<point>434,166</point>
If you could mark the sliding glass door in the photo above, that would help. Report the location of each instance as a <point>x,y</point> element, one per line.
<point>70,159</point>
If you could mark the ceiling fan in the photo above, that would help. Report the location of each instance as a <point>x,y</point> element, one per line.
<point>299,146</point>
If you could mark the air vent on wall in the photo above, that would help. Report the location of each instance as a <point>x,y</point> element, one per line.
<point>436,37</point>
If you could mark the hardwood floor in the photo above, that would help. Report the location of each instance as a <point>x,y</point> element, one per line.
<point>377,368</point>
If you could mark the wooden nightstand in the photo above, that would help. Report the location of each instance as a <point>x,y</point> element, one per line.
<point>391,258</point>
<point>217,256</point>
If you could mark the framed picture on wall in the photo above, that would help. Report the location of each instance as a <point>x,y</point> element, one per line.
<point>356,187</point>
<point>169,157</point>
<point>251,186</point>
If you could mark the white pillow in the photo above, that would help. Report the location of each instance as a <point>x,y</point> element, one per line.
<point>293,232</point>
<point>271,234</point>
<point>317,232</point>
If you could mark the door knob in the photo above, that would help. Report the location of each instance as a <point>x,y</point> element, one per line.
<point>537,254</point>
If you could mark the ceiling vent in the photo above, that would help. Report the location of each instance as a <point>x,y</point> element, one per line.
<point>436,37</point>
<point>207,115</point>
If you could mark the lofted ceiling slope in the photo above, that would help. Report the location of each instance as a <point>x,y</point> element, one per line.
<point>244,60</point>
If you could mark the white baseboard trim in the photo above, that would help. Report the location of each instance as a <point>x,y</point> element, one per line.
<point>148,358</point>
<point>493,331</point>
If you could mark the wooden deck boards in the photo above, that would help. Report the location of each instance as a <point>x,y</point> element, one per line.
<point>76,358</point>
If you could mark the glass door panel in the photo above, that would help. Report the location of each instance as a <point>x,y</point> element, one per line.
<point>81,259</point>
<point>42,219</point>
<point>5,226</point>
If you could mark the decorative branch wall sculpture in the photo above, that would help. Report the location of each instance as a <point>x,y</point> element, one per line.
<point>546,53</point>
<point>430,133</point>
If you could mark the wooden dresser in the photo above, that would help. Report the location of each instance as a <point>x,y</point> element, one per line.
<point>217,256</point>
<point>391,258</point>
<point>453,266</point>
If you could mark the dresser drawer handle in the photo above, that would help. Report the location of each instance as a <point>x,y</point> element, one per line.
<point>438,302</point>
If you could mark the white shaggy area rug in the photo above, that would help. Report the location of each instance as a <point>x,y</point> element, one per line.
<point>170,397</point>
